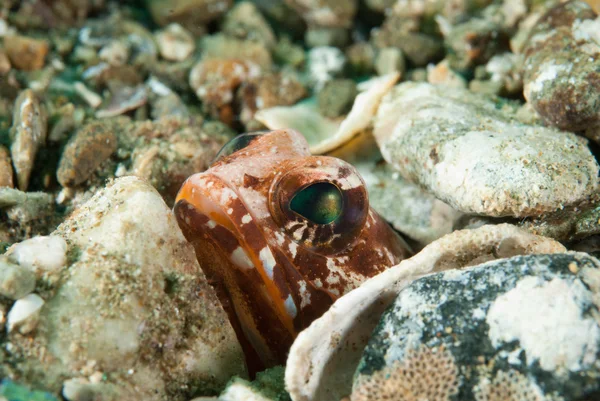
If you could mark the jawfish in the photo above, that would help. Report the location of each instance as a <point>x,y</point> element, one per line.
<point>281,235</point>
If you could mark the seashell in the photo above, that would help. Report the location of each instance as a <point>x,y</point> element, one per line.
<point>324,357</point>
<point>305,118</point>
<point>24,314</point>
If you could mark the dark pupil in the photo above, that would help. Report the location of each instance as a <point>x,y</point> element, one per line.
<point>237,143</point>
<point>320,203</point>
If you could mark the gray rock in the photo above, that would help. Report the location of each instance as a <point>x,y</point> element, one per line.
<point>562,78</point>
<point>15,281</point>
<point>524,328</point>
<point>132,306</point>
<point>472,153</point>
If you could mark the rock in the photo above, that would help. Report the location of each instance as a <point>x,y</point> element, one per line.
<point>390,59</point>
<point>191,14</point>
<point>474,43</point>
<point>325,63</point>
<point>6,170</point>
<point>521,328</point>
<point>175,43</point>
<point>324,357</point>
<point>24,314</point>
<point>87,149</point>
<point>28,213</point>
<point>268,386</point>
<point>26,53</point>
<point>268,90</point>
<point>429,134</point>
<point>4,63</point>
<point>79,389</point>
<point>316,36</point>
<point>361,58</point>
<point>336,97</point>
<point>244,21</point>
<point>412,211</point>
<point>169,105</point>
<point>137,307</point>
<point>115,53</point>
<point>28,134</point>
<point>503,76</point>
<point>215,81</point>
<point>223,47</point>
<point>286,52</point>
<point>442,74</point>
<point>92,98</point>
<point>123,100</point>
<point>15,281</point>
<point>562,64</point>
<point>40,254</point>
<point>327,13</point>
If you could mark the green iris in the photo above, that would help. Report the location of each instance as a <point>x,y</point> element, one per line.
<point>320,203</point>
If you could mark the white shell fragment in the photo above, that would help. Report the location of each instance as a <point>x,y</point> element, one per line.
<point>323,134</point>
<point>40,254</point>
<point>24,314</point>
<point>474,155</point>
<point>324,357</point>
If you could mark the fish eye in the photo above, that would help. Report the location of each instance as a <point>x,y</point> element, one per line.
<point>320,203</point>
<point>237,143</point>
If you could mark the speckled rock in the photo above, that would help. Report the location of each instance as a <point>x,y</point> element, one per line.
<point>6,169</point>
<point>327,13</point>
<point>477,158</point>
<point>337,97</point>
<point>224,47</point>
<point>244,21</point>
<point>175,43</point>
<point>26,53</point>
<point>192,14</point>
<point>27,214</point>
<point>268,386</point>
<point>324,357</point>
<point>523,328</point>
<point>86,150</point>
<point>15,281</point>
<point>140,314</point>
<point>28,132</point>
<point>562,78</point>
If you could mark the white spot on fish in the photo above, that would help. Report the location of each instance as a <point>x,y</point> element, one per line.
<point>229,211</point>
<point>211,224</point>
<point>293,249</point>
<point>304,295</point>
<point>246,219</point>
<point>290,307</point>
<point>240,258</point>
<point>268,261</point>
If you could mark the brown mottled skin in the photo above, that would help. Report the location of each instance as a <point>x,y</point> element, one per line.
<point>274,270</point>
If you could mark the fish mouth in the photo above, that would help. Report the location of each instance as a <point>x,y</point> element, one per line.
<point>235,257</point>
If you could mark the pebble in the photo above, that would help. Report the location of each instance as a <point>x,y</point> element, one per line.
<point>562,64</point>
<point>26,53</point>
<point>316,36</point>
<point>91,97</point>
<point>525,325</point>
<point>336,97</point>
<point>326,13</point>
<point>4,63</point>
<point>224,47</point>
<point>28,134</point>
<point>6,169</point>
<point>123,100</point>
<point>245,21</point>
<point>15,281</point>
<point>442,74</point>
<point>175,43</point>
<point>192,14</point>
<point>134,287</point>
<point>115,53</point>
<point>325,63</point>
<point>390,59</point>
<point>86,150</point>
<point>24,314</point>
<point>361,58</point>
<point>40,254</point>
<point>431,143</point>
<point>78,389</point>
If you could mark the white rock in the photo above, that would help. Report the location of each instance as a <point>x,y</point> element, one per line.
<point>324,63</point>
<point>15,281</point>
<point>24,314</point>
<point>175,43</point>
<point>40,254</point>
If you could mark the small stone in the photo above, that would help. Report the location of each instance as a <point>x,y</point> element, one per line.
<point>361,56</point>
<point>29,132</point>
<point>325,63</point>
<point>326,36</point>
<point>91,98</point>
<point>390,59</point>
<point>15,281</point>
<point>4,63</point>
<point>223,47</point>
<point>6,170</point>
<point>442,74</point>
<point>24,314</point>
<point>175,43</point>
<point>78,389</point>
<point>116,53</point>
<point>123,100</point>
<point>244,21</point>
<point>194,15</point>
<point>26,53</point>
<point>326,13</point>
<point>40,254</point>
<point>289,53</point>
<point>336,97</point>
<point>428,134</point>
<point>562,67</point>
<point>86,150</point>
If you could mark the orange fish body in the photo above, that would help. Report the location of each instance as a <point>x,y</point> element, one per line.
<point>281,235</point>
